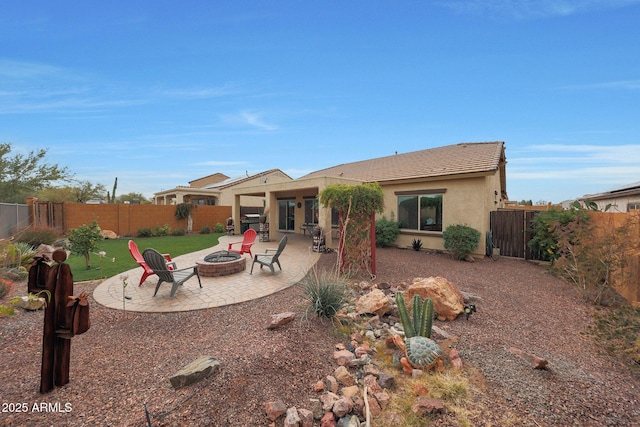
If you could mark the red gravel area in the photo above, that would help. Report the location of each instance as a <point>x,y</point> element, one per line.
<point>123,363</point>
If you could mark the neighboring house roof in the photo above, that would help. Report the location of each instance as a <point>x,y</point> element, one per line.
<point>463,158</point>
<point>626,190</point>
<point>239,179</point>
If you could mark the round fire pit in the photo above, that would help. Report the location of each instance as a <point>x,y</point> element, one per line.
<point>221,263</point>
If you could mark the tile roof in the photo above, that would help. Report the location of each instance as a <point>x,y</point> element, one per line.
<point>455,159</point>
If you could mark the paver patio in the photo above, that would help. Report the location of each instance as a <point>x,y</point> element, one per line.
<point>296,259</point>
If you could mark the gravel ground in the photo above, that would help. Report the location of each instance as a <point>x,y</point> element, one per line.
<point>123,362</point>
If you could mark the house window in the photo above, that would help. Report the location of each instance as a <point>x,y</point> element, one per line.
<point>420,212</point>
<point>633,207</point>
<point>311,211</point>
<point>286,215</point>
<point>335,217</point>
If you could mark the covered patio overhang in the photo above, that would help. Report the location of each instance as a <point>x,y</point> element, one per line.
<point>285,205</point>
<point>186,195</point>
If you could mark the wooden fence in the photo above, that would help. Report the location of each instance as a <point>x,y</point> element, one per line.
<point>627,226</point>
<point>123,219</point>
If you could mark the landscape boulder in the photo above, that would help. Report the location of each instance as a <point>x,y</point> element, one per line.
<point>195,371</point>
<point>448,301</point>
<point>375,302</point>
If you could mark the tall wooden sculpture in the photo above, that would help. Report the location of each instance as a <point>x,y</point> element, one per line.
<point>56,350</point>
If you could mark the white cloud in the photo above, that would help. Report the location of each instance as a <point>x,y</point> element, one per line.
<point>251,119</point>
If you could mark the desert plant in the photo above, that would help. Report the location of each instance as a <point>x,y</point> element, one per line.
<point>218,228</point>
<point>460,240</point>
<point>325,292</point>
<point>161,230</point>
<point>37,236</point>
<point>416,244</point>
<point>26,253</point>
<point>144,232</point>
<point>421,320</point>
<point>205,229</point>
<point>84,240</point>
<point>386,232</point>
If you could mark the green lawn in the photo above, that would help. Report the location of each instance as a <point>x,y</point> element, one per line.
<point>118,258</point>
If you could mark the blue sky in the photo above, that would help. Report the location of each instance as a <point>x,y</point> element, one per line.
<point>159,93</point>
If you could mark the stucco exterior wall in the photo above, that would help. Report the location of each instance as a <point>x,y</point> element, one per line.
<point>467,201</point>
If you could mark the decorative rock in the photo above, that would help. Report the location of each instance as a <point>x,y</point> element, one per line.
<point>195,371</point>
<point>328,401</point>
<point>274,409</point>
<point>316,408</point>
<point>383,398</point>
<point>318,387</point>
<point>342,406</point>
<point>280,319</point>
<point>536,362</point>
<point>417,373</point>
<point>374,407</point>
<point>343,357</point>
<point>456,361</point>
<point>306,417</point>
<point>351,421</point>
<point>371,369</point>
<point>328,420</point>
<point>108,234</point>
<point>292,419</point>
<point>363,361</point>
<point>363,349</point>
<point>372,383</point>
<point>343,376</point>
<point>351,391</point>
<point>427,405</point>
<point>375,302</point>
<point>448,301</point>
<point>387,381</point>
<point>331,384</point>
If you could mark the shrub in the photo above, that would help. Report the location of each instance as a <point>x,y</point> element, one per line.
<point>460,240</point>
<point>386,232</point>
<point>218,228</point>
<point>179,231</point>
<point>37,236</point>
<point>5,286</point>
<point>547,228</point>
<point>144,232</point>
<point>416,244</point>
<point>161,230</point>
<point>205,229</point>
<point>325,292</point>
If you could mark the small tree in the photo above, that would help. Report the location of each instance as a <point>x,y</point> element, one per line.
<point>84,240</point>
<point>22,176</point>
<point>356,204</point>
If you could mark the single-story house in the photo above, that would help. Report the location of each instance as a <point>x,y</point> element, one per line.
<point>425,191</point>
<point>623,199</point>
<point>215,190</point>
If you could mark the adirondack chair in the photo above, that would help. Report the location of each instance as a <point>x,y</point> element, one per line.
<point>270,257</point>
<point>176,277</point>
<point>249,238</point>
<point>135,253</point>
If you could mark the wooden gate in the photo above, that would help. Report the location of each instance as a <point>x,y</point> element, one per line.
<point>510,232</point>
<point>49,215</point>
